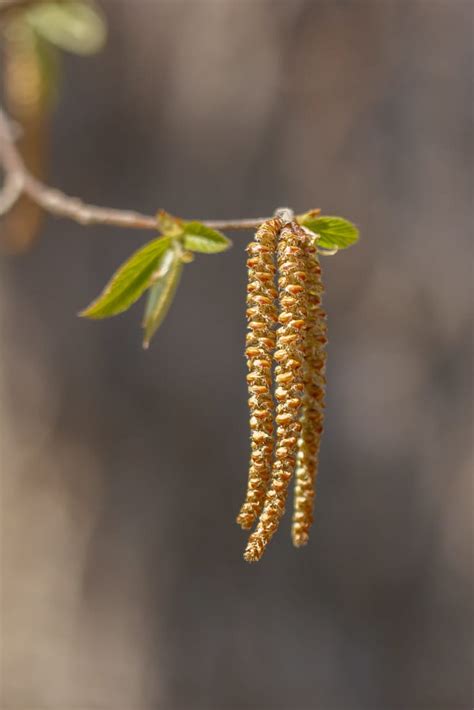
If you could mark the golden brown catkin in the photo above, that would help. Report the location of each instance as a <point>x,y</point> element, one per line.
<point>260,344</point>
<point>312,415</point>
<point>292,301</point>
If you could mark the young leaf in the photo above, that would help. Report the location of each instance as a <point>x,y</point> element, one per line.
<point>162,293</point>
<point>75,26</point>
<point>130,281</point>
<point>333,232</point>
<point>169,225</point>
<point>198,237</point>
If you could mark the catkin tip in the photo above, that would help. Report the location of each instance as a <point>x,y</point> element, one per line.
<point>245,519</point>
<point>252,553</point>
<point>300,539</point>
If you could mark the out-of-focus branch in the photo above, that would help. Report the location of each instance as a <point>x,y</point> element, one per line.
<point>10,192</point>
<point>18,180</point>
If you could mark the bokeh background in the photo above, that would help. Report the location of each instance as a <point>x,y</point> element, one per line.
<point>123,585</point>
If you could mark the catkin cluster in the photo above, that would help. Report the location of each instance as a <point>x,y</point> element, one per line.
<point>286,362</point>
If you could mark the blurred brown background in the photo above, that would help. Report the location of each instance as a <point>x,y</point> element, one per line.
<point>123,585</point>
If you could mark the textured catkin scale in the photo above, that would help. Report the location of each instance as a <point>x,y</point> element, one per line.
<point>289,355</point>
<point>312,413</point>
<point>260,344</point>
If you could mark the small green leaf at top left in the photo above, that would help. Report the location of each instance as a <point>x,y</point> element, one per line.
<point>130,281</point>
<point>77,26</point>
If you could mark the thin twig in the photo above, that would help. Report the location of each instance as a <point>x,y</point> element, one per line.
<point>57,203</point>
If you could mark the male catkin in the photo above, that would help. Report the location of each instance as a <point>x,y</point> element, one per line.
<point>312,414</point>
<point>289,354</point>
<point>260,344</point>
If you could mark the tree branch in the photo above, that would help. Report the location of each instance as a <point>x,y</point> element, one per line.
<point>18,180</point>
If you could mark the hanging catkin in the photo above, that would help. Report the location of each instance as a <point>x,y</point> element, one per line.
<point>293,317</point>
<point>260,344</point>
<point>312,414</point>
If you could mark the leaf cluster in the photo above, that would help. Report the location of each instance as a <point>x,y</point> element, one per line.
<point>157,267</point>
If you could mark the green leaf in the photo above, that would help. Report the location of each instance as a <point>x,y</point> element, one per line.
<point>198,237</point>
<point>74,25</point>
<point>333,232</point>
<point>162,293</point>
<point>130,281</point>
